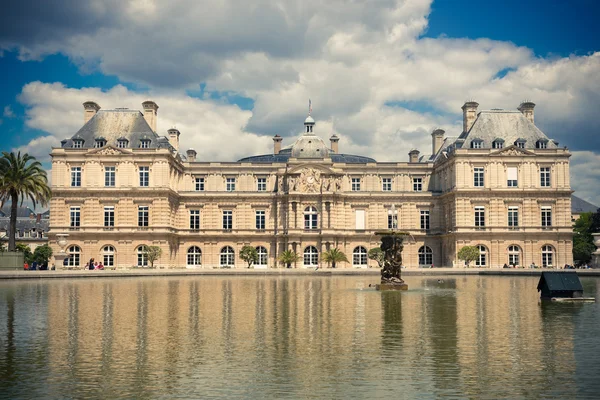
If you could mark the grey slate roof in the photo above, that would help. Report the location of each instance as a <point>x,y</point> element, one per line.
<point>24,225</point>
<point>579,206</point>
<point>22,212</point>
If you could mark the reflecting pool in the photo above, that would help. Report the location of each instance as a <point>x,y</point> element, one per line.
<point>295,337</point>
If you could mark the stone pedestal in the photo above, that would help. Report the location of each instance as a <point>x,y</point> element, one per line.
<point>59,257</point>
<point>390,286</point>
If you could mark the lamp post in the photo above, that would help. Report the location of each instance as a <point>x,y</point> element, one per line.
<point>59,257</point>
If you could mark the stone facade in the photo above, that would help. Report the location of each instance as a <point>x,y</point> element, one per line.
<point>118,186</point>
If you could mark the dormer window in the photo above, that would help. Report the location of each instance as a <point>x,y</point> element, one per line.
<point>100,142</point>
<point>145,144</point>
<point>476,144</point>
<point>498,143</point>
<point>541,144</point>
<point>122,143</point>
<point>77,143</point>
<point>520,143</point>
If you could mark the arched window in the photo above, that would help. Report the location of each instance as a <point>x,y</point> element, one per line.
<point>262,256</point>
<point>142,256</point>
<point>514,255</point>
<point>311,256</point>
<point>311,217</point>
<point>194,256</point>
<point>227,257</point>
<point>74,256</point>
<point>547,256</point>
<point>359,256</point>
<point>482,259</point>
<point>108,256</point>
<point>425,255</point>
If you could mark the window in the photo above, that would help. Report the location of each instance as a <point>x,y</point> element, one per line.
<point>75,217</point>
<point>541,144</point>
<point>109,176</point>
<point>311,256</point>
<point>195,219</point>
<point>143,212</point>
<point>513,217</point>
<point>359,219</point>
<point>355,184</point>
<point>227,257</point>
<point>144,144</point>
<point>74,258</point>
<point>520,143</point>
<point>144,176</point>
<point>99,143</point>
<point>261,184</point>
<point>545,176</point>
<point>260,220</point>
<point>77,144</point>
<point>142,256</point>
<point>392,219</point>
<point>476,144</point>
<point>227,220</point>
<point>417,184</point>
<point>498,144</point>
<point>546,217</point>
<point>230,186</point>
<point>311,218</point>
<point>109,216</point>
<point>424,219</point>
<point>511,176</point>
<point>480,217</point>
<point>108,256</point>
<point>122,143</point>
<point>262,256</point>
<point>359,257</point>
<point>194,256</point>
<point>482,259</point>
<point>76,176</point>
<point>199,184</point>
<point>387,184</point>
<point>514,255</point>
<point>547,256</point>
<point>478,176</point>
<point>425,255</point>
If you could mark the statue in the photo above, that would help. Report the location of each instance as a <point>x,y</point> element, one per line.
<point>391,245</point>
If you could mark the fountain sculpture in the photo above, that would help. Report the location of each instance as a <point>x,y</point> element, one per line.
<point>391,245</point>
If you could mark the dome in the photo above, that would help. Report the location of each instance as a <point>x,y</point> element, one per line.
<point>309,120</point>
<point>310,146</point>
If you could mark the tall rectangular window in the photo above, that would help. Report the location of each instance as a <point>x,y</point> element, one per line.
<point>478,176</point>
<point>227,220</point>
<point>546,217</point>
<point>387,184</point>
<point>144,176</point>
<point>260,220</point>
<point>392,219</point>
<point>355,184</point>
<point>76,176</point>
<point>513,217</point>
<point>75,217</point>
<point>143,216</point>
<point>424,219</point>
<point>109,216</point>
<point>417,184</point>
<point>230,184</point>
<point>545,176</point>
<point>195,219</point>
<point>511,177</point>
<point>479,217</point>
<point>199,184</point>
<point>261,184</point>
<point>109,176</point>
<point>360,219</point>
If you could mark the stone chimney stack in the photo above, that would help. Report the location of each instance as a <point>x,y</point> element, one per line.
<point>437,138</point>
<point>469,114</point>
<point>150,113</point>
<point>526,108</point>
<point>413,156</point>
<point>334,139</point>
<point>89,110</point>
<point>174,138</point>
<point>191,155</point>
<point>277,144</point>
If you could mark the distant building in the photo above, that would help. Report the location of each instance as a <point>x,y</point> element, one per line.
<point>580,206</point>
<point>32,228</point>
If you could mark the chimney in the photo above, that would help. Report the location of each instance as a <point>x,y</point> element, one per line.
<point>277,144</point>
<point>191,155</point>
<point>469,114</point>
<point>334,143</point>
<point>526,108</point>
<point>150,113</point>
<point>437,138</point>
<point>89,110</point>
<point>174,138</point>
<point>413,156</point>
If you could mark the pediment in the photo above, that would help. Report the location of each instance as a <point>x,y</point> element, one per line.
<point>108,150</point>
<point>319,168</point>
<point>512,151</point>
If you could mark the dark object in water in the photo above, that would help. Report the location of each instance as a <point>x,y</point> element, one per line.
<point>560,285</point>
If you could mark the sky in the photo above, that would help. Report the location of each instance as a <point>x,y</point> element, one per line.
<point>230,74</point>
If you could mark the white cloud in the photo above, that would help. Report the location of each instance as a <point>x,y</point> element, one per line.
<point>8,112</point>
<point>585,175</point>
<point>40,147</point>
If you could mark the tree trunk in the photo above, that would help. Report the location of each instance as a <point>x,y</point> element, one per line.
<point>13,222</point>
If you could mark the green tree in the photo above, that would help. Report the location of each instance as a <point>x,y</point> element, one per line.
<point>153,253</point>
<point>42,254</point>
<point>21,177</point>
<point>334,256</point>
<point>26,250</point>
<point>583,241</point>
<point>468,254</point>
<point>249,255</point>
<point>288,257</point>
<point>377,255</point>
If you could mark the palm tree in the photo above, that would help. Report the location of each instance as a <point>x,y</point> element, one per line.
<point>287,257</point>
<point>21,177</point>
<point>334,256</point>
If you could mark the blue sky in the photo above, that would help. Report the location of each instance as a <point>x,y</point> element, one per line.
<point>381,74</point>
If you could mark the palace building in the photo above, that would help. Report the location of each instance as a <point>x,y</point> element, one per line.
<point>501,185</point>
